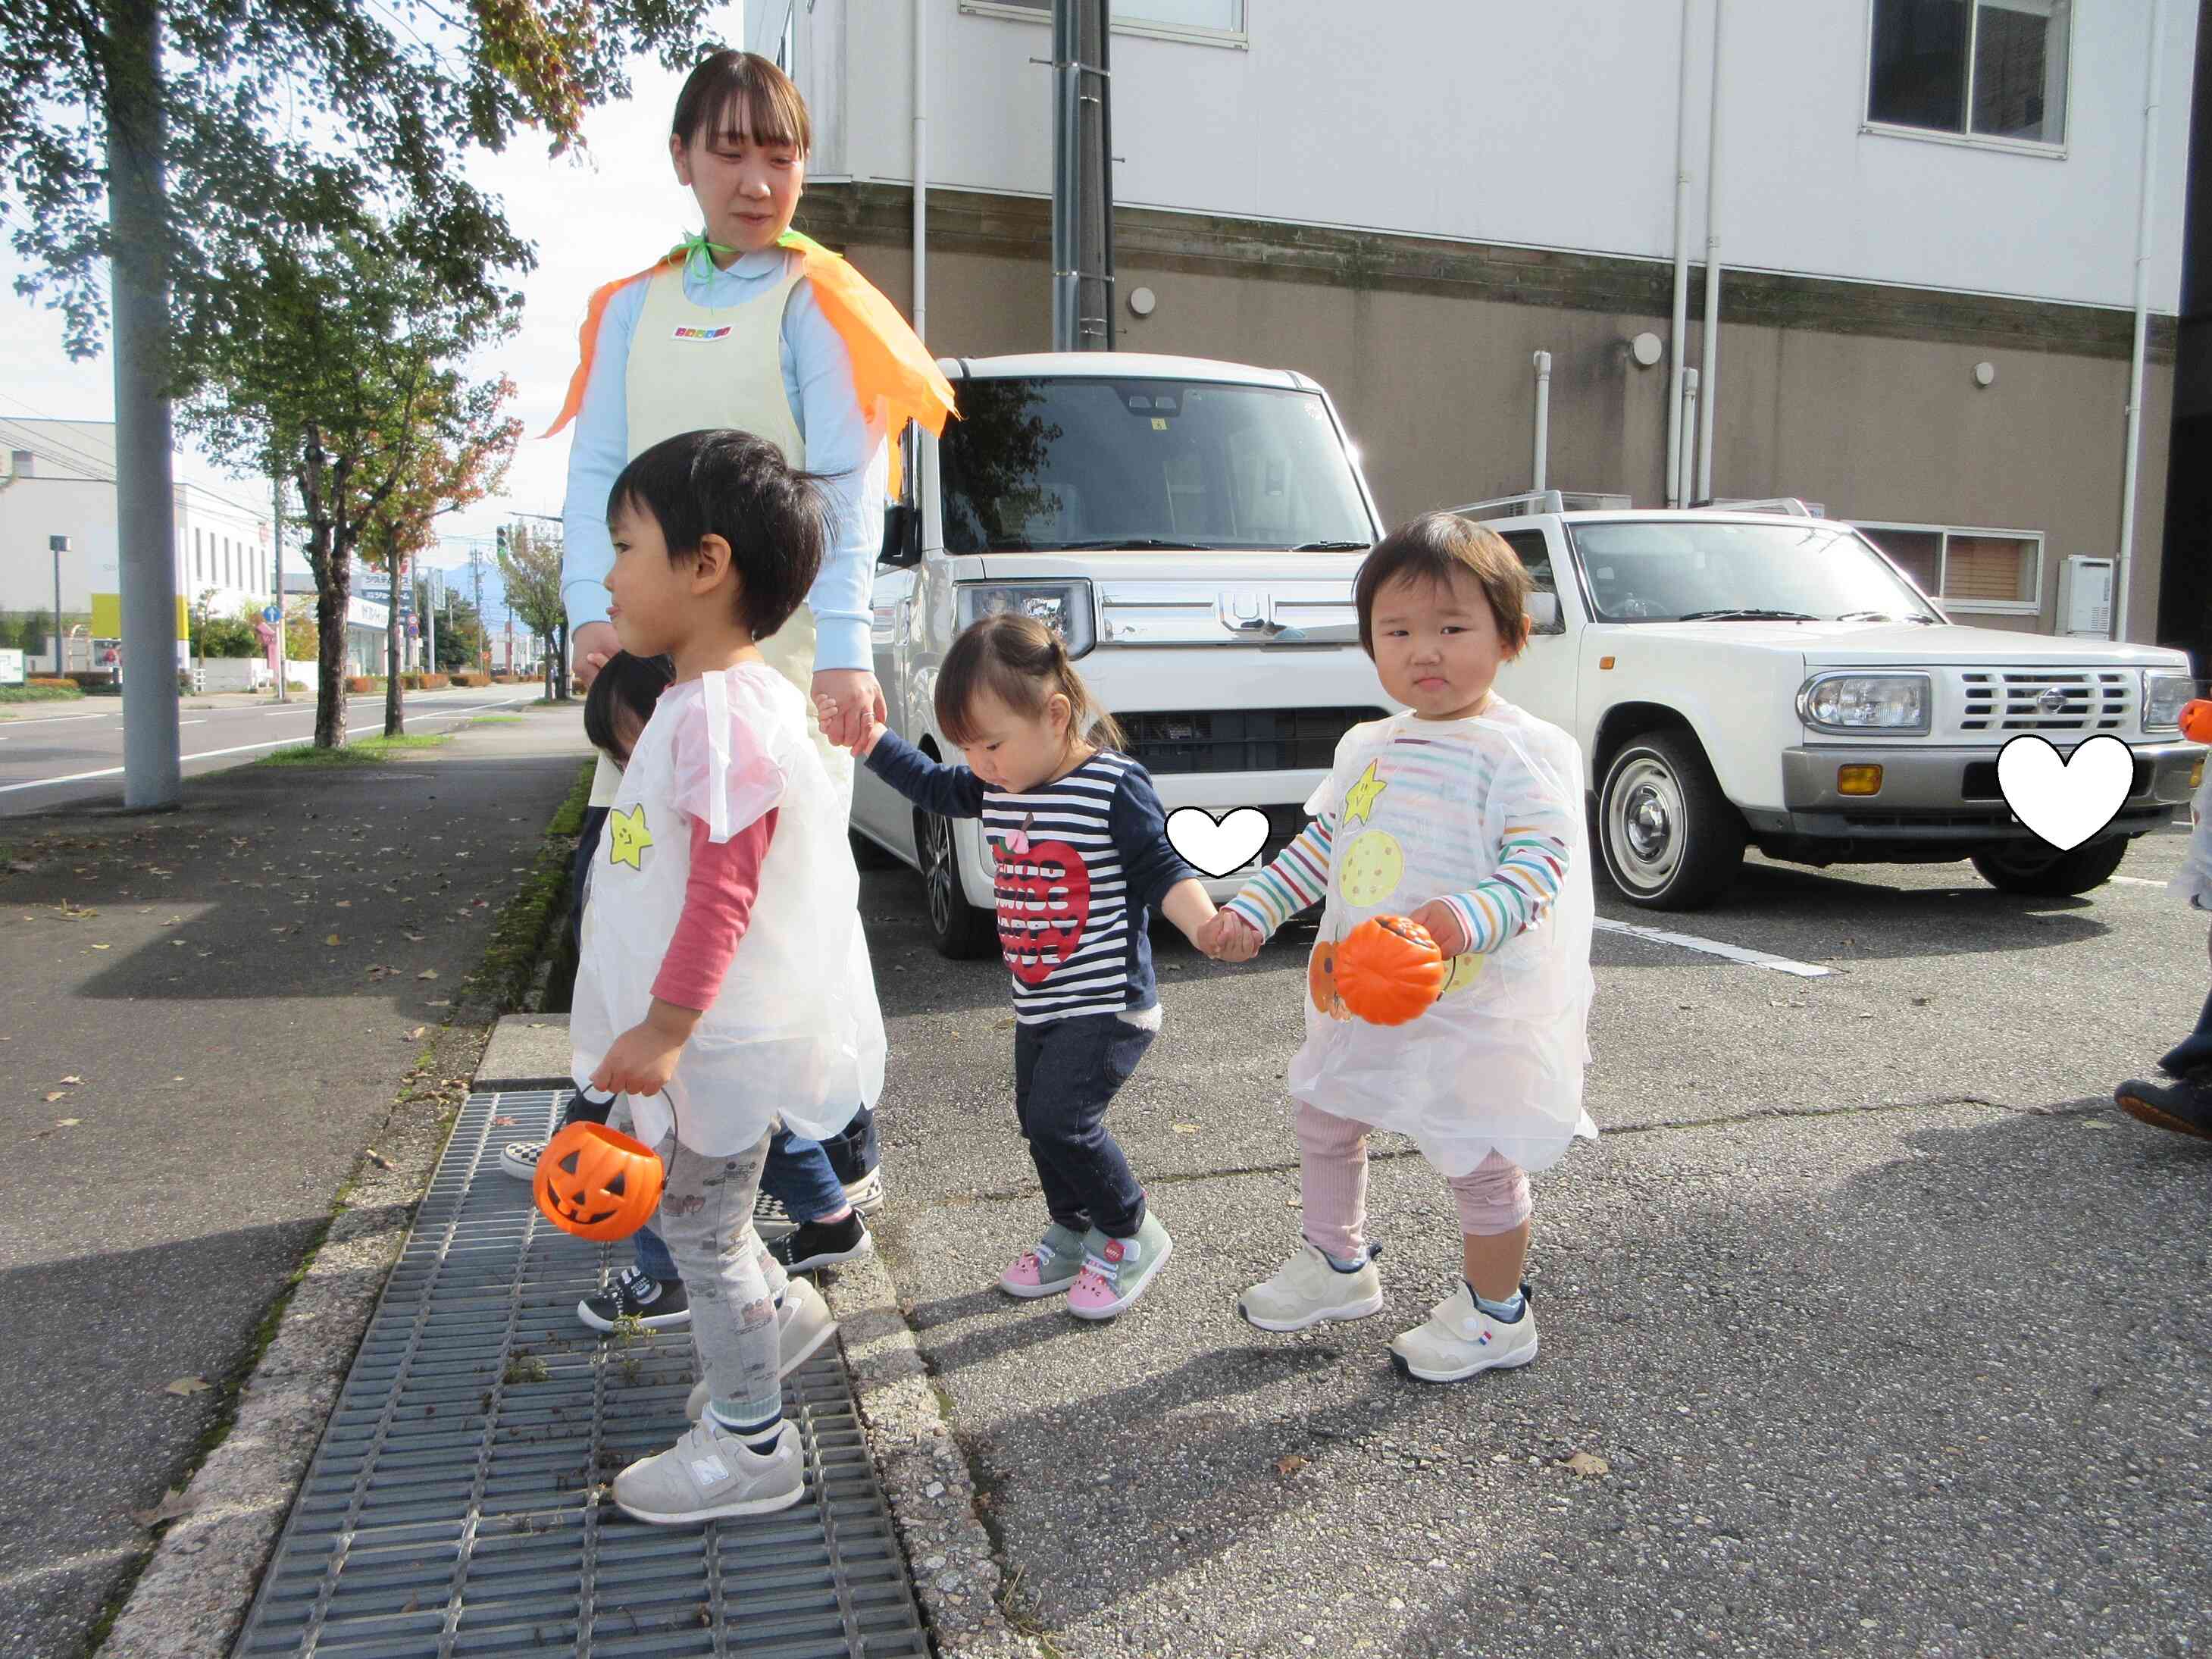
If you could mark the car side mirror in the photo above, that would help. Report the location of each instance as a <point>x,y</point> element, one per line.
<point>1544,613</point>
<point>902,535</point>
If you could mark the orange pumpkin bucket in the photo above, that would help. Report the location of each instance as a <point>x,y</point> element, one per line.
<point>1389,970</point>
<point>2197,721</point>
<point>598,1182</point>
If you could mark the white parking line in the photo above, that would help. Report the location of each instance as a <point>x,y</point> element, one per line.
<point>1713,947</point>
<point>2136,881</point>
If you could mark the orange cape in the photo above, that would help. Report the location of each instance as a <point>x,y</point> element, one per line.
<point>893,373</point>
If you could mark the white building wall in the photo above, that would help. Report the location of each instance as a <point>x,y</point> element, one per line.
<point>1549,126</point>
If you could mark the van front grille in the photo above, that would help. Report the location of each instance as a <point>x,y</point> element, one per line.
<point>1239,739</point>
<point>2045,699</point>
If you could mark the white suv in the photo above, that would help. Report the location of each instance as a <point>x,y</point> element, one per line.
<point>1770,678</point>
<point>1191,528</point>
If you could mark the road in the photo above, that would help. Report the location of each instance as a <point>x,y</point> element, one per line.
<point>1887,1331</point>
<point>75,753</point>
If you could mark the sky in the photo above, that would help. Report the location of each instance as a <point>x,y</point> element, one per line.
<point>592,217</point>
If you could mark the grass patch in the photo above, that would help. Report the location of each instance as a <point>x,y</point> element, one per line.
<point>41,693</point>
<point>532,918</point>
<point>361,751</point>
<point>495,720</point>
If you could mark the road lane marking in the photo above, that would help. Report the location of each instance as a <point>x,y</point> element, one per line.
<point>2136,881</point>
<point>1713,947</point>
<point>211,754</point>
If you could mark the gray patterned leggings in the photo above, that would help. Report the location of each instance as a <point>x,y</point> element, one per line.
<point>707,1220</point>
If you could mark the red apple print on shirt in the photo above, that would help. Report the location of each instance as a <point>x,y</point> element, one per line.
<point>1044,901</point>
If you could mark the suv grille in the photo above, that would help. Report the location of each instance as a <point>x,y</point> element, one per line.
<point>1239,739</point>
<point>2045,699</point>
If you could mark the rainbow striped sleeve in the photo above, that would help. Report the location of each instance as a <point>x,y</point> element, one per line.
<point>1532,861</point>
<point>1297,878</point>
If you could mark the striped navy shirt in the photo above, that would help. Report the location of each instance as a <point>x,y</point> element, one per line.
<point>1078,863</point>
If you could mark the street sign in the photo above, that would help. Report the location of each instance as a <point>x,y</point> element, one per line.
<point>271,615</point>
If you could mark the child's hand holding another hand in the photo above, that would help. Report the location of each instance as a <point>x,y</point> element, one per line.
<point>1228,937</point>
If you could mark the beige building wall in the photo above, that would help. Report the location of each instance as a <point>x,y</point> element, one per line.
<point>1858,397</point>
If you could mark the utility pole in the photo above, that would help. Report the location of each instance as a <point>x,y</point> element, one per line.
<point>430,619</point>
<point>59,546</point>
<point>139,234</point>
<point>277,575</point>
<point>1083,179</point>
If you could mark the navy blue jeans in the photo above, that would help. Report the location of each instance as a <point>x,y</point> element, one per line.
<point>1066,1074</point>
<point>2194,1052</point>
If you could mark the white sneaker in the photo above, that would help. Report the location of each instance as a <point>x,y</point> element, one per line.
<point>803,1324</point>
<point>708,1474</point>
<point>1461,1339</point>
<point>1307,1291</point>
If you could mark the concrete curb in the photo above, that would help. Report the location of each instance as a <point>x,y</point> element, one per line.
<point>925,1474</point>
<point>193,1596</point>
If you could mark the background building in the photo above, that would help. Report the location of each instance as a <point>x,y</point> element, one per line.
<point>1926,210</point>
<point>60,480</point>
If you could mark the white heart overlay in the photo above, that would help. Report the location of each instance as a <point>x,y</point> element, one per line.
<point>1216,846</point>
<point>2065,802</point>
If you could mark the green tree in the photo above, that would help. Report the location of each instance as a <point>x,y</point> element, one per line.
<point>460,629</point>
<point>36,634</point>
<point>353,349</point>
<point>7,634</point>
<point>465,461</point>
<point>530,566</point>
<point>153,149</point>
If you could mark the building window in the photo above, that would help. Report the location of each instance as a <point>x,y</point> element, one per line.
<point>1216,22</point>
<point>1973,69</point>
<point>1993,570</point>
<point>200,559</point>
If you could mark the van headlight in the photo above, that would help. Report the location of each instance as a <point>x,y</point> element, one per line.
<point>2163,694</point>
<point>1063,606</point>
<point>1865,702</point>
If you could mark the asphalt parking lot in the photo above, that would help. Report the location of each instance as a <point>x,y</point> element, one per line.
<point>1888,1330</point>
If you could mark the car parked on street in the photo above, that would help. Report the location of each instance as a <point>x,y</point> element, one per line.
<point>1767,677</point>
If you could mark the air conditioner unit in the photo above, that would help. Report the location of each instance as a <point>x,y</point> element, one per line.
<point>2085,597</point>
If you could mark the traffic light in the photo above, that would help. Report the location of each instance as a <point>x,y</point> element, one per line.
<point>500,535</point>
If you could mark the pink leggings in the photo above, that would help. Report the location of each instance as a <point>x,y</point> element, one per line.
<point>1492,1197</point>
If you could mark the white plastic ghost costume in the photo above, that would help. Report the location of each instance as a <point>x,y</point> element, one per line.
<point>1496,1062</point>
<point>795,1032</point>
<point>2193,881</point>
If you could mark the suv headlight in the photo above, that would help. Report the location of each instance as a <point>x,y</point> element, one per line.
<point>1865,702</point>
<point>1063,606</point>
<point>2163,694</point>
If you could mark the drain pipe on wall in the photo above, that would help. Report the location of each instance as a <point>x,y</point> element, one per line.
<point>2156,58</point>
<point>1543,415</point>
<point>921,169</point>
<point>1681,266</point>
<point>1708,382</point>
<point>1689,432</point>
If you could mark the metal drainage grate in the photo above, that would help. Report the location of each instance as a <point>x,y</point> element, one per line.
<point>450,1509</point>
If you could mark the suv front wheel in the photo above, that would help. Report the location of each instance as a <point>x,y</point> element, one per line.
<point>961,931</point>
<point>2041,871</point>
<point>1670,839</point>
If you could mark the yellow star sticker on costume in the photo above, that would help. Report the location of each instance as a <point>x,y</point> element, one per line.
<point>1359,800</point>
<point>628,837</point>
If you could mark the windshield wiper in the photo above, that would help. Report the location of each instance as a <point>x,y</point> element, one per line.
<point>1746,616</point>
<point>1884,616</point>
<point>1332,547</point>
<point>1116,543</point>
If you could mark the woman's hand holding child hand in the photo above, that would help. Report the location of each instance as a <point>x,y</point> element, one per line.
<point>825,710</point>
<point>1228,937</point>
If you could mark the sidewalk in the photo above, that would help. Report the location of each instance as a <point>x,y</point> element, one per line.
<point>195,1072</point>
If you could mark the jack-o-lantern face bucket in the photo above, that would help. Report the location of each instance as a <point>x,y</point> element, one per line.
<point>1389,970</point>
<point>598,1182</point>
<point>2197,721</point>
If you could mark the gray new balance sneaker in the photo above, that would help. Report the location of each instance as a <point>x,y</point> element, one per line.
<point>803,1324</point>
<point>708,1474</point>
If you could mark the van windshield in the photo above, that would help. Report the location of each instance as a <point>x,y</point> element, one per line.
<point>1067,463</point>
<point>1674,570</point>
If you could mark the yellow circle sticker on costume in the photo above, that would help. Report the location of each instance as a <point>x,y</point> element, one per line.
<point>1464,970</point>
<point>1373,866</point>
